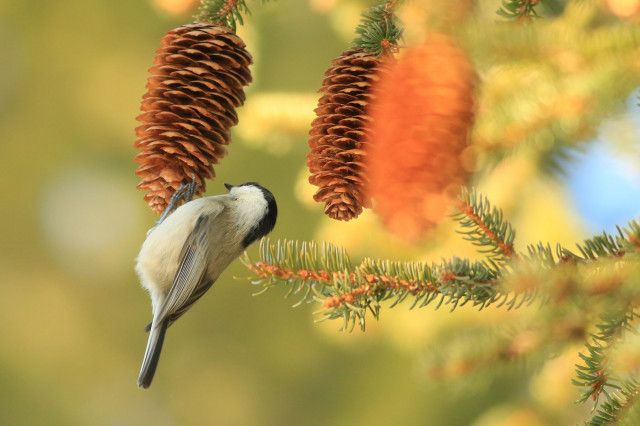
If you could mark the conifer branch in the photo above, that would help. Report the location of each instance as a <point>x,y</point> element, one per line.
<point>604,246</point>
<point>325,274</point>
<point>594,376</point>
<point>519,9</point>
<point>484,226</point>
<point>377,30</point>
<point>616,409</point>
<point>349,292</point>
<point>224,12</point>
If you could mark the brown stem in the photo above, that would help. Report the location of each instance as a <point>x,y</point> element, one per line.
<point>374,282</point>
<point>226,8</point>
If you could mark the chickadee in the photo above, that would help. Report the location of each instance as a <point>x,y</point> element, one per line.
<point>186,253</point>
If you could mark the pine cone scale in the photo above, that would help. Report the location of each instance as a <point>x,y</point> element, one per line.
<point>337,137</point>
<point>195,85</point>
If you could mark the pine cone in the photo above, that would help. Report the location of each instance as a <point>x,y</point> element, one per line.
<point>338,134</point>
<point>422,117</point>
<point>195,85</point>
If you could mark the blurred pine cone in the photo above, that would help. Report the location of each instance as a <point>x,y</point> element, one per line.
<point>417,156</point>
<point>195,85</point>
<point>338,134</point>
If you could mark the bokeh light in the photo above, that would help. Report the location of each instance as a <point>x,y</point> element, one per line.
<point>624,8</point>
<point>176,7</point>
<point>90,221</point>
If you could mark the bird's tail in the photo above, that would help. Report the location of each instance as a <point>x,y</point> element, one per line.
<point>152,354</point>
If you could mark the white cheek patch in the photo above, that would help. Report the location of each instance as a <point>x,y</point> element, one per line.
<point>251,206</point>
<point>246,190</point>
<point>251,209</point>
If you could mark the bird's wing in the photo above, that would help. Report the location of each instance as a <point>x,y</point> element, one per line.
<point>190,281</point>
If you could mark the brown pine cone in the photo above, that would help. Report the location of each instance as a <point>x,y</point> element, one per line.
<point>195,85</point>
<point>338,134</point>
<point>422,118</point>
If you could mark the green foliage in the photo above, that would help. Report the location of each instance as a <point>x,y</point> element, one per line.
<point>349,292</point>
<point>452,283</point>
<point>619,407</point>
<point>377,30</point>
<point>599,247</point>
<point>595,375</point>
<point>227,12</point>
<point>285,257</point>
<point>518,9</point>
<point>485,227</point>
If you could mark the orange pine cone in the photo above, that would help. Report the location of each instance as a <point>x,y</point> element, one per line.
<point>421,122</point>
<point>337,142</point>
<point>195,85</point>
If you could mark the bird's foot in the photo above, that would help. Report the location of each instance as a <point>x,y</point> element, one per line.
<point>185,192</point>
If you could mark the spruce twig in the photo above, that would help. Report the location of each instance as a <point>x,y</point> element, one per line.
<point>377,30</point>
<point>485,227</point>
<point>527,10</point>
<point>349,292</point>
<point>225,12</point>
<point>594,376</point>
<point>616,408</point>
<point>519,9</point>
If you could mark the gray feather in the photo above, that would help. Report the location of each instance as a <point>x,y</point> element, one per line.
<point>152,355</point>
<point>191,270</point>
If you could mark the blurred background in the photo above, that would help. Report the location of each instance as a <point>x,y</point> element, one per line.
<point>72,75</point>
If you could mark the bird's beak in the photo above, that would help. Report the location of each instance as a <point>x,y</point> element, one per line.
<point>228,186</point>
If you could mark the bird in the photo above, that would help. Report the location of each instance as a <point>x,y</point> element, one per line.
<point>187,251</point>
